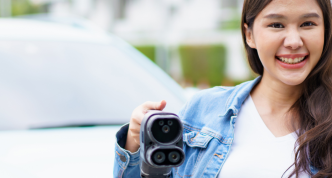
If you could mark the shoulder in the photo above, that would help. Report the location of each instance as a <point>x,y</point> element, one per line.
<point>208,103</point>
<point>207,106</point>
<point>221,95</point>
<point>215,93</point>
<point>208,97</point>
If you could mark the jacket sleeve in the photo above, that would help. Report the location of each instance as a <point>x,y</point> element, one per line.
<point>126,164</point>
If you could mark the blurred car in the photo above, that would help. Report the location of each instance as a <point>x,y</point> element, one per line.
<point>64,92</point>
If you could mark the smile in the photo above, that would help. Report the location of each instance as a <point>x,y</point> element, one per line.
<point>291,60</point>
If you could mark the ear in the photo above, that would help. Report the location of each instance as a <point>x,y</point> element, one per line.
<point>249,36</point>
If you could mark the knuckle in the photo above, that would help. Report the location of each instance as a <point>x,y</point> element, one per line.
<point>133,127</point>
<point>133,119</point>
<point>137,142</point>
<point>138,120</point>
<point>136,136</point>
<point>135,131</point>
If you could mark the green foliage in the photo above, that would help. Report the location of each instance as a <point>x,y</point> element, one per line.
<point>149,51</point>
<point>24,7</point>
<point>203,63</point>
<point>232,24</point>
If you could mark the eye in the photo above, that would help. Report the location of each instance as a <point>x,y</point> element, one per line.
<point>307,24</point>
<point>276,25</point>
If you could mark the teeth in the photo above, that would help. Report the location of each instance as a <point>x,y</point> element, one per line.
<point>290,60</point>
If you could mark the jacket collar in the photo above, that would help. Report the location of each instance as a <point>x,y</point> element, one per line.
<point>239,95</point>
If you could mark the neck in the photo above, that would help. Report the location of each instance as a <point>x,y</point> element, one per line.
<point>273,100</point>
<point>275,95</point>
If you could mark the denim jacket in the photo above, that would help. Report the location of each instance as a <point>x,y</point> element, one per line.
<point>208,120</point>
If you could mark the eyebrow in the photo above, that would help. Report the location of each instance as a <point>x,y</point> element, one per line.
<point>275,16</point>
<point>315,15</point>
<point>279,16</point>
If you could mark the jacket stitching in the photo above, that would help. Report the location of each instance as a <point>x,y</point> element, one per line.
<point>238,88</point>
<point>192,143</point>
<point>121,173</point>
<point>177,172</point>
<point>191,127</point>
<point>213,134</point>
<point>230,98</point>
<point>207,165</point>
<point>200,154</point>
<point>192,139</point>
<point>133,164</point>
<point>120,161</point>
<point>121,164</point>
<point>210,133</point>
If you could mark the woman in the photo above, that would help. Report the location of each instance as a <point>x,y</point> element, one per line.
<point>283,118</point>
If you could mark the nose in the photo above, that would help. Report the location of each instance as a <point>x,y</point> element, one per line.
<point>293,39</point>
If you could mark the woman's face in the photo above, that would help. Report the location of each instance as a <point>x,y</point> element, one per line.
<point>289,38</point>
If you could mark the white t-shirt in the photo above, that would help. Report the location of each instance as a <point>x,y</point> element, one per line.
<point>256,152</point>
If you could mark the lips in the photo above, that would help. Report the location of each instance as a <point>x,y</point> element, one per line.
<point>292,58</point>
<point>292,61</point>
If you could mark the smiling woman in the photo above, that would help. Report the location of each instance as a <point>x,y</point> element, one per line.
<point>283,118</point>
<point>293,35</point>
<point>289,44</point>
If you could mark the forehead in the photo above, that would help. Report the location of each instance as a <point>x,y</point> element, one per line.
<point>291,8</point>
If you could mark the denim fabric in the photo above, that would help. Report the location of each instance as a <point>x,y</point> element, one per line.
<point>209,120</point>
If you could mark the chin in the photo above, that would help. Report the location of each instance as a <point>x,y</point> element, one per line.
<point>292,81</point>
<point>292,78</point>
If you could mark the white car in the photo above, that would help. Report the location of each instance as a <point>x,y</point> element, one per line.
<point>64,92</point>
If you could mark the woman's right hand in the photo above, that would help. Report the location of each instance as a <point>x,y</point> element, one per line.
<point>133,139</point>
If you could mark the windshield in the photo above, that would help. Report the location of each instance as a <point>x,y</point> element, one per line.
<point>44,84</point>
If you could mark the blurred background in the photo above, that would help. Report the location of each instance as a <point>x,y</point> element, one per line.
<point>71,73</point>
<point>197,42</point>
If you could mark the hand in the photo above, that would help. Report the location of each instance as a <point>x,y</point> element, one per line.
<point>133,139</point>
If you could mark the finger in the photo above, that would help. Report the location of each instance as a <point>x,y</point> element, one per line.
<point>162,105</point>
<point>138,117</point>
<point>135,138</point>
<point>137,142</point>
<point>154,105</point>
<point>135,129</point>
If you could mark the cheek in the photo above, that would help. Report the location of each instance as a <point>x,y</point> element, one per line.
<point>315,45</point>
<point>267,45</point>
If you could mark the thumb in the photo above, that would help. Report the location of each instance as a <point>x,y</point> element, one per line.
<point>154,105</point>
<point>162,105</point>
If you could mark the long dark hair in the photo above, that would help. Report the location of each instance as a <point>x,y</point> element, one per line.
<point>314,143</point>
